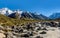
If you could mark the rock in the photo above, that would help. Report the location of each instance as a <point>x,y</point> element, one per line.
<point>21,30</point>
<point>9,35</point>
<point>38,37</point>
<point>29,27</point>
<point>24,35</point>
<point>1,31</point>
<point>52,24</point>
<point>59,24</point>
<point>37,28</point>
<point>1,27</point>
<point>43,32</point>
<point>24,31</point>
<point>2,35</point>
<point>44,29</point>
<point>35,33</point>
<point>12,27</point>
<point>30,33</point>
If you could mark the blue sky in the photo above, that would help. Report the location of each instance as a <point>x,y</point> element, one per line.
<point>45,7</point>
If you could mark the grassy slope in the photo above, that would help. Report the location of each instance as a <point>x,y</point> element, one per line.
<point>10,21</point>
<point>13,21</point>
<point>5,20</point>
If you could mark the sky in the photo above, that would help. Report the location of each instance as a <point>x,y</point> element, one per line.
<point>45,7</point>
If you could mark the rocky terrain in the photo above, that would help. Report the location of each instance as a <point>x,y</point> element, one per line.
<point>31,30</point>
<point>25,24</point>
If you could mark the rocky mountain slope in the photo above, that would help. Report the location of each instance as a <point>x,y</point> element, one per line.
<point>21,14</point>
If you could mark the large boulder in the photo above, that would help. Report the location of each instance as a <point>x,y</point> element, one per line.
<point>24,35</point>
<point>38,37</point>
<point>2,35</point>
<point>43,32</point>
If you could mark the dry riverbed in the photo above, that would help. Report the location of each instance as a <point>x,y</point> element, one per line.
<point>52,33</point>
<point>35,30</point>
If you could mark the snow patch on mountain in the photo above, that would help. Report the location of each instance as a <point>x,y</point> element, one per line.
<point>5,10</point>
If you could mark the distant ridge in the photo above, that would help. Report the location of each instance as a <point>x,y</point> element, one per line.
<point>55,15</point>
<point>21,14</point>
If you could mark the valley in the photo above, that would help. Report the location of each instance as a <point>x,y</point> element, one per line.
<point>31,30</point>
<point>23,24</point>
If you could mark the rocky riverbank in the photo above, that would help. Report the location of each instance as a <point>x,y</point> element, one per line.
<point>31,30</point>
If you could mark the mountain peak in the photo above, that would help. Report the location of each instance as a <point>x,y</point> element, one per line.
<point>21,14</point>
<point>5,10</point>
<point>19,11</point>
<point>55,15</point>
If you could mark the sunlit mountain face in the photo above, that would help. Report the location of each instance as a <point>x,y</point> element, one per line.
<point>21,14</point>
<point>27,14</point>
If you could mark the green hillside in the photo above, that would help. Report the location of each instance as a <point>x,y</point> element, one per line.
<point>4,20</point>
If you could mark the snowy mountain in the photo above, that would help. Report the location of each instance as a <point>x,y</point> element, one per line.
<point>55,16</point>
<point>33,15</point>
<point>21,14</point>
<point>43,17</point>
<point>5,11</point>
<point>17,13</point>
